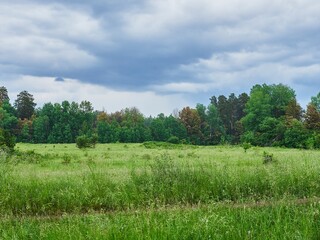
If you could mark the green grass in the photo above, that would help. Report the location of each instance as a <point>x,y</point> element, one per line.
<point>213,222</point>
<point>158,191</point>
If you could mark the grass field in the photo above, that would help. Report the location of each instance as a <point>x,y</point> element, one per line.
<point>159,191</point>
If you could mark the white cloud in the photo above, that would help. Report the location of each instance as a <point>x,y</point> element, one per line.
<point>48,37</point>
<point>222,22</point>
<point>46,89</point>
<point>238,71</point>
<point>181,87</point>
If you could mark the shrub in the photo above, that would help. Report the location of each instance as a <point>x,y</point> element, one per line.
<point>7,141</point>
<point>173,139</point>
<point>267,158</point>
<point>66,159</point>
<point>246,146</point>
<point>85,141</point>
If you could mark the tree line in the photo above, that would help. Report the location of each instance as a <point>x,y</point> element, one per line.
<point>269,116</point>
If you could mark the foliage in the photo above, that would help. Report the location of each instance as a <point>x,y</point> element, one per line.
<point>265,114</point>
<point>3,95</point>
<point>296,135</point>
<point>270,116</point>
<point>7,141</point>
<point>246,146</point>
<point>173,139</point>
<point>191,120</point>
<point>315,101</point>
<point>25,105</point>
<point>312,118</point>
<point>267,158</point>
<point>85,141</point>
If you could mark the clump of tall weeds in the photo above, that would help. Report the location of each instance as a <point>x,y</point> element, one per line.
<point>166,182</point>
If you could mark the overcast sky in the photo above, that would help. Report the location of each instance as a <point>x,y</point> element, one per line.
<point>157,55</point>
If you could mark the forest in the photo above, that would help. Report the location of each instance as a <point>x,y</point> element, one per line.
<point>269,116</point>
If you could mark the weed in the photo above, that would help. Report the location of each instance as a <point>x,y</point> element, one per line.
<point>90,160</point>
<point>246,146</point>
<point>267,158</point>
<point>192,155</point>
<point>66,159</point>
<point>146,156</point>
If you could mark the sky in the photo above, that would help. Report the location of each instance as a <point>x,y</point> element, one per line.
<point>157,55</point>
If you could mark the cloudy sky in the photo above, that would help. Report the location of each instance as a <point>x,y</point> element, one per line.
<point>157,55</point>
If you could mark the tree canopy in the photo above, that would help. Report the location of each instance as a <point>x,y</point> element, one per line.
<point>269,116</point>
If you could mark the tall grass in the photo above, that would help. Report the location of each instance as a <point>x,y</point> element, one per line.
<point>162,181</point>
<point>213,222</point>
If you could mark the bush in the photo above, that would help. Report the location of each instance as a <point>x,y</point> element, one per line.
<point>85,141</point>
<point>173,139</point>
<point>267,158</point>
<point>246,146</point>
<point>297,136</point>
<point>7,141</point>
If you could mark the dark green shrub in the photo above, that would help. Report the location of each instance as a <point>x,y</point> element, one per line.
<point>173,139</point>
<point>297,136</point>
<point>85,141</point>
<point>267,158</point>
<point>246,146</point>
<point>7,141</point>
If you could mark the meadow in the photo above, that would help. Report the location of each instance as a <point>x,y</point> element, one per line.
<point>159,191</point>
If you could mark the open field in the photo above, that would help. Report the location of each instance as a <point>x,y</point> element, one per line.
<point>158,191</point>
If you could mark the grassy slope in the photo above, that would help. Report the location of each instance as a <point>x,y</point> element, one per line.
<point>158,193</point>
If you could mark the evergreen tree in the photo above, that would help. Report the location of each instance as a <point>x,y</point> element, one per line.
<point>216,129</point>
<point>4,95</point>
<point>24,105</point>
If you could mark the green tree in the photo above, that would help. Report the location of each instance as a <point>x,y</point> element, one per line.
<point>41,129</point>
<point>8,126</point>
<point>25,105</point>
<point>230,111</point>
<point>216,129</point>
<point>271,132</point>
<point>175,128</point>
<point>87,117</point>
<point>158,129</point>
<point>25,135</point>
<point>8,121</point>
<point>294,111</point>
<point>315,101</point>
<point>3,95</point>
<point>107,132</point>
<point>7,140</point>
<point>296,136</point>
<point>204,126</point>
<point>265,111</point>
<point>133,127</point>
